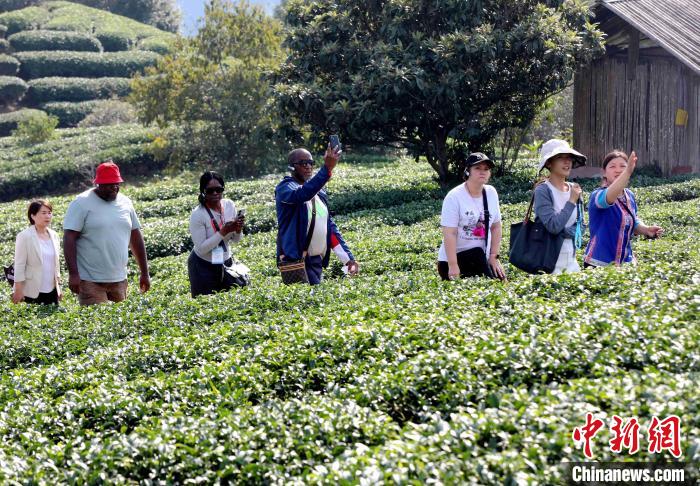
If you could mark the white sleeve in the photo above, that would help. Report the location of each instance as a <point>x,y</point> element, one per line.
<point>449,217</point>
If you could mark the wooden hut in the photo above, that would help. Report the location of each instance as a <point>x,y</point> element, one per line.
<point>644,93</point>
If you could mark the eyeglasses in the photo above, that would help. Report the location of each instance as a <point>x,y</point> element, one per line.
<point>305,162</point>
<point>212,190</point>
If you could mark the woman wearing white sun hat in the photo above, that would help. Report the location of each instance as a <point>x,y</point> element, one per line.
<point>558,203</point>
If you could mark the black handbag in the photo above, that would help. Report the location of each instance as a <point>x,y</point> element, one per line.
<point>233,273</point>
<point>533,249</point>
<point>294,271</point>
<point>10,274</point>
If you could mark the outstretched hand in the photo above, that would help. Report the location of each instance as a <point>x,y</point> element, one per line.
<point>332,157</point>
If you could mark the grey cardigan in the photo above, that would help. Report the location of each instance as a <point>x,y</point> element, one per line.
<point>554,221</point>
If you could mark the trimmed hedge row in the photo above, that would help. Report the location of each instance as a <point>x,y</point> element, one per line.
<point>156,44</point>
<point>114,31</point>
<point>44,90</point>
<point>70,114</point>
<point>66,163</point>
<point>43,64</point>
<point>26,19</point>
<point>9,121</point>
<point>12,89</point>
<point>4,46</point>
<point>53,40</point>
<point>8,65</point>
<point>115,41</point>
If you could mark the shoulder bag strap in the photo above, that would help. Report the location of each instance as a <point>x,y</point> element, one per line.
<point>216,225</point>
<point>528,214</point>
<point>486,219</point>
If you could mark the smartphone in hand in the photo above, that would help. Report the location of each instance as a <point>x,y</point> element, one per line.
<point>335,142</point>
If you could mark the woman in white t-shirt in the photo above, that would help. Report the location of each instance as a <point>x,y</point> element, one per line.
<point>471,225</point>
<point>557,201</point>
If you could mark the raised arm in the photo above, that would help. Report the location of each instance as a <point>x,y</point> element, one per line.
<point>617,187</point>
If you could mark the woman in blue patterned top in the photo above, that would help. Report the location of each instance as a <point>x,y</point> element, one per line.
<point>613,215</point>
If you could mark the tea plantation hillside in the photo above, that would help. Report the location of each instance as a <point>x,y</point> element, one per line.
<point>67,59</point>
<point>392,376</point>
<point>68,161</point>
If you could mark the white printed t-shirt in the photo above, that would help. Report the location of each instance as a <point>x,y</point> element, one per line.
<point>466,213</point>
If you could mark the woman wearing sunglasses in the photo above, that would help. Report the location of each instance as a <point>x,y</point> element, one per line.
<point>214,223</point>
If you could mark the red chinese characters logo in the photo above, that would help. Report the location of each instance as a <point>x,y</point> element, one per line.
<point>663,435</point>
<point>586,433</point>
<point>627,436</point>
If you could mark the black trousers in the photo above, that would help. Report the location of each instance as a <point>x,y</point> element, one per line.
<point>205,277</point>
<point>49,298</point>
<point>472,263</point>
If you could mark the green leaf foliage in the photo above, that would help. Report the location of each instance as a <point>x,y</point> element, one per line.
<point>163,14</point>
<point>389,377</point>
<point>69,113</point>
<point>51,40</point>
<point>68,162</point>
<point>76,89</point>
<point>9,121</point>
<point>214,87</point>
<point>440,78</point>
<point>26,19</point>
<point>9,66</point>
<point>42,64</point>
<point>12,89</point>
<point>36,129</point>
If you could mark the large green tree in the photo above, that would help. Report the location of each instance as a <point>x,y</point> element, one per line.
<point>215,88</point>
<point>439,77</point>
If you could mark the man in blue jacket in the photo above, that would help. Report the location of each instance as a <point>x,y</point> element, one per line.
<point>300,199</point>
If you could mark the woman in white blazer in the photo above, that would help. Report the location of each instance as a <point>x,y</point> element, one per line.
<point>37,250</point>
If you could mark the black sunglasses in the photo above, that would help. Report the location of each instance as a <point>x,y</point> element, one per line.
<point>305,162</point>
<point>212,190</point>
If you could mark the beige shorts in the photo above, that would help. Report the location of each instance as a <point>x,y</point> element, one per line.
<point>98,293</point>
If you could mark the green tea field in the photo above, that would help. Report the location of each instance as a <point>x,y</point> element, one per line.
<point>389,377</point>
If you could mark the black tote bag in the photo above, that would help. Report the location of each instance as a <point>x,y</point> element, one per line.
<point>533,249</point>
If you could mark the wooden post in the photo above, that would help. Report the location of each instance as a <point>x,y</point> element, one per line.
<point>632,54</point>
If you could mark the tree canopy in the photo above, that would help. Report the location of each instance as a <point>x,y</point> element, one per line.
<point>215,87</point>
<point>438,77</point>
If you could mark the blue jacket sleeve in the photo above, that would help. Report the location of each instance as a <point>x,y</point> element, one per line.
<point>554,221</point>
<point>294,193</point>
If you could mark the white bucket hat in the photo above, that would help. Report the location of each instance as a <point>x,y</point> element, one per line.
<point>554,147</point>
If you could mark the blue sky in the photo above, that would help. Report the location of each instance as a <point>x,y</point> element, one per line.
<point>194,9</point>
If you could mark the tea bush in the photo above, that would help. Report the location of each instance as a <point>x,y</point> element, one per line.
<point>44,90</point>
<point>389,377</point>
<point>12,89</point>
<point>40,64</point>
<point>52,40</point>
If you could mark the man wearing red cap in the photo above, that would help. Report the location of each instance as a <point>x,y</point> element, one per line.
<point>99,228</point>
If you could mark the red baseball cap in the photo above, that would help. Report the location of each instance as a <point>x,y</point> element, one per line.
<point>108,173</point>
